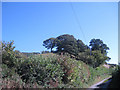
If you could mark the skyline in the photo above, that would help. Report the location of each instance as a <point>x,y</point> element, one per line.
<point>27,22</point>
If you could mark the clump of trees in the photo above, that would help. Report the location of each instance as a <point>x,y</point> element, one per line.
<point>65,43</point>
<point>95,54</point>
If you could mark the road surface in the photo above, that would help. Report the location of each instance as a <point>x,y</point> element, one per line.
<point>100,85</point>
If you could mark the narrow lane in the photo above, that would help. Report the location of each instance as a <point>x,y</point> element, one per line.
<point>100,84</point>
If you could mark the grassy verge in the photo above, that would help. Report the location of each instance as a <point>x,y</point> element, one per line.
<point>96,80</point>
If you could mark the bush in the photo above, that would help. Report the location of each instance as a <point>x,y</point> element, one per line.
<point>7,72</point>
<point>95,59</point>
<point>54,71</point>
<point>8,56</point>
<point>10,79</point>
<point>44,71</point>
<point>98,73</point>
<point>76,73</point>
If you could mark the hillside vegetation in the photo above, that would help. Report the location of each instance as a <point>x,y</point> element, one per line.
<point>52,71</point>
<point>58,69</point>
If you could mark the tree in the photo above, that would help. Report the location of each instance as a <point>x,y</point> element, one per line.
<point>97,44</point>
<point>99,58</point>
<point>49,43</point>
<point>81,46</point>
<point>94,60</point>
<point>8,46</point>
<point>99,51</point>
<point>67,43</point>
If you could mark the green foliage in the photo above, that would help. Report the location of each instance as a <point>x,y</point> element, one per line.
<point>8,56</point>
<point>95,59</point>
<point>75,72</point>
<point>65,43</point>
<point>99,58</point>
<point>49,43</point>
<point>10,79</point>
<point>52,70</point>
<point>28,54</point>
<point>85,57</point>
<point>7,72</point>
<point>98,73</point>
<point>81,46</point>
<point>98,44</point>
<point>8,46</point>
<point>68,44</point>
<point>55,71</point>
<point>44,52</point>
<point>41,70</point>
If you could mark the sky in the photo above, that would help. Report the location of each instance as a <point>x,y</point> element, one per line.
<point>30,23</point>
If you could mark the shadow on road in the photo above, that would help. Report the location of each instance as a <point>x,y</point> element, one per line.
<point>103,85</point>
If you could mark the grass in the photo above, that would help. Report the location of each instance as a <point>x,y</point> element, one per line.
<point>96,80</point>
<point>107,80</point>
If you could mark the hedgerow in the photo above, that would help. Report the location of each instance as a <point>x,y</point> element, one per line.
<point>48,70</point>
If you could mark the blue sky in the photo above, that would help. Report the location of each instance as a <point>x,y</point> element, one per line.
<point>29,24</point>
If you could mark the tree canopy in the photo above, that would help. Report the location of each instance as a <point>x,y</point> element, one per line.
<point>97,44</point>
<point>81,46</point>
<point>69,44</point>
<point>49,43</point>
<point>65,43</point>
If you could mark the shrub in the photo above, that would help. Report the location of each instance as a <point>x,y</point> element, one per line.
<point>54,71</point>
<point>8,56</point>
<point>95,59</point>
<point>7,72</point>
<point>44,71</point>
<point>75,72</point>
